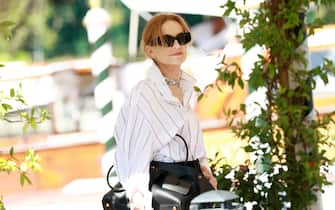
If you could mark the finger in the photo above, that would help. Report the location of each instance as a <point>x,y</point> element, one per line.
<point>213,182</point>
<point>174,208</point>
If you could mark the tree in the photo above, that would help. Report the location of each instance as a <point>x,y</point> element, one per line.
<point>288,164</point>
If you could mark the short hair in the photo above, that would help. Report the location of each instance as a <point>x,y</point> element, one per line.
<point>153,28</point>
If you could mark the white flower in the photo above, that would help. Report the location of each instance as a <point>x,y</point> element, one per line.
<point>245,177</point>
<point>252,171</point>
<point>260,152</point>
<point>230,175</point>
<point>285,168</point>
<point>264,178</point>
<point>276,169</point>
<point>253,157</point>
<point>268,150</point>
<point>248,205</point>
<point>265,145</point>
<point>283,193</point>
<point>268,185</point>
<point>259,187</point>
<point>255,139</point>
<point>287,205</point>
<point>23,167</point>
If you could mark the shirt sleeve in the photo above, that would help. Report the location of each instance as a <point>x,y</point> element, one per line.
<point>133,151</point>
<point>200,149</point>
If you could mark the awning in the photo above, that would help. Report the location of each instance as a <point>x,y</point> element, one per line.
<point>197,7</point>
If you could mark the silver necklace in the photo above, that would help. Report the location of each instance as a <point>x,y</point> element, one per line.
<point>172,82</point>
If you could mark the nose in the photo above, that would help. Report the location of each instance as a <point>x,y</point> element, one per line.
<point>176,45</point>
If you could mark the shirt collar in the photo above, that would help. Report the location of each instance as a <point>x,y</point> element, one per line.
<point>186,83</point>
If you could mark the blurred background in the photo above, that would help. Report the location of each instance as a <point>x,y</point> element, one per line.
<point>79,59</point>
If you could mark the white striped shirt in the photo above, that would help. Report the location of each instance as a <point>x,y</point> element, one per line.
<point>146,130</point>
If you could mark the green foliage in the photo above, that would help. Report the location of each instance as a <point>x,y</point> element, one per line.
<point>31,32</point>
<point>220,169</point>
<point>31,162</point>
<point>51,28</point>
<point>65,19</point>
<point>5,29</point>
<point>9,104</point>
<point>10,112</point>
<point>287,166</point>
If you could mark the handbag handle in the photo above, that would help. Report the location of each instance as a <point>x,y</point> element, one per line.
<point>185,145</point>
<point>107,178</point>
<point>110,169</point>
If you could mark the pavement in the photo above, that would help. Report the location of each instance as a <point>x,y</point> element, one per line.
<point>86,194</point>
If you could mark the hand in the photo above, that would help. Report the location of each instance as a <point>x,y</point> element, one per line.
<point>137,201</point>
<point>207,173</point>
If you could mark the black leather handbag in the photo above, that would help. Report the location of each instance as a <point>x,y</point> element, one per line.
<point>116,198</point>
<point>176,184</point>
<point>171,184</point>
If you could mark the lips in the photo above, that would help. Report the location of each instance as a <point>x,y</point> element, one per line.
<point>176,54</point>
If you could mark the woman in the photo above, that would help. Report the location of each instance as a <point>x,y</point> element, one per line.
<point>158,109</point>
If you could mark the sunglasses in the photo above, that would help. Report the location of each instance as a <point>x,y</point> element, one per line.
<point>168,40</point>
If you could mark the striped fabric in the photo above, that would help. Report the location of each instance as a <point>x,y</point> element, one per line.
<point>146,127</point>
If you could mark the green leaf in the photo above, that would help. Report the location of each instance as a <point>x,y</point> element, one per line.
<point>25,127</point>
<point>6,24</point>
<point>196,89</point>
<point>24,178</point>
<point>200,96</point>
<point>11,151</point>
<point>33,123</point>
<point>248,148</point>
<point>7,107</point>
<point>230,6</point>
<point>12,92</point>
<point>32,112</point>
<point>272,71</point>
<point>241,83</point>
<point>5,29</point>
<point>324,78</point>
<point>242,107</point>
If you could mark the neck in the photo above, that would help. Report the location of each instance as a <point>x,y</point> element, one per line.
<point>170,71</point>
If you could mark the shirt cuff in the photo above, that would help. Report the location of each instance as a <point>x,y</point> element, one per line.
<point>139,183</point>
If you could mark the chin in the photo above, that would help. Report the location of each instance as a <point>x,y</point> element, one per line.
<point>172,61</point>
<point>176,61</point>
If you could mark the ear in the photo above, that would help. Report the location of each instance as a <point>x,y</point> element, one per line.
<point>148,50</point>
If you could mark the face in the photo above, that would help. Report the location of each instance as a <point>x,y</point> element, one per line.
<point>174,55</point>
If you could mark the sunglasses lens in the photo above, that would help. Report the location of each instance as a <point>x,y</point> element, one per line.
<point>169,40</point>
<point>184,38</point>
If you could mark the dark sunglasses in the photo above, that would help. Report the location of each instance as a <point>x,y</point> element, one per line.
<point>168,40</point>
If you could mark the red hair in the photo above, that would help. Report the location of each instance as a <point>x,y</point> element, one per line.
<point>153,28</point>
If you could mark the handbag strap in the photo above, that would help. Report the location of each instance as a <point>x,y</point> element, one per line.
<point>107,178</point>
<point>185,145</point>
